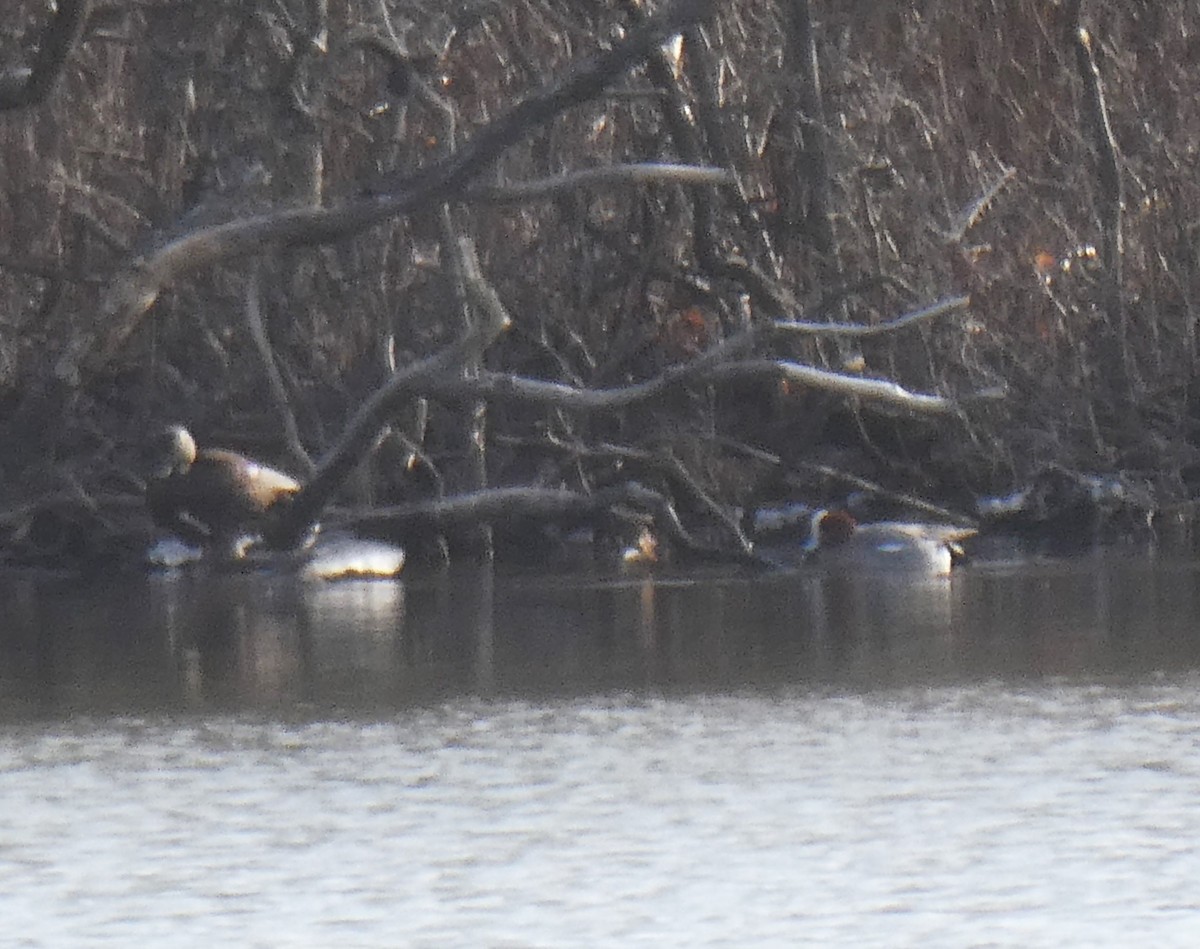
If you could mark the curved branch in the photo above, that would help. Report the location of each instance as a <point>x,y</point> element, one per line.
<point>293,520</point>
<point>511,388</point>
<point>872,390</point>
<point>134,291</point>
<point>861,329</point>
<point>641,173</point>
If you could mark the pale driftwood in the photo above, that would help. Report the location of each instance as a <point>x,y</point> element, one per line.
<point>633,174</point>
<point>863,329</point>
<point>872,390</point>
<point>512,388</point>
<point>721,363</point>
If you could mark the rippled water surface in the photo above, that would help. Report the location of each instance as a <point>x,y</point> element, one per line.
<point>1010,758</point>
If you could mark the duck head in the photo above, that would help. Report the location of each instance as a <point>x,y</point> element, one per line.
<point>171,451</point>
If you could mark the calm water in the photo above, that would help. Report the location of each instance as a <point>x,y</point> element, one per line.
<point>1007,758</point>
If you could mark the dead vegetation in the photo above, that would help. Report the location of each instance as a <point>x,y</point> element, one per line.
<point>251,218</point>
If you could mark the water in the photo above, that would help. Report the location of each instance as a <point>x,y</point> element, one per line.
<point>1008,758</point>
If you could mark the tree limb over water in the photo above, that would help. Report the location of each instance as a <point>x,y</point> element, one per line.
<point>437,376</point>
<point>359,435</point>
<point>554,505</point>
<point>135,290</point>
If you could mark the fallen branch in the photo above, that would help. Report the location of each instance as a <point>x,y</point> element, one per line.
<point>511,388</point>
<point>134,291</point>
<point>721,363</point>
<point>872,390</point>
<point>440,375</point>
<point>877,329</point>
<point>557,504</point>
<point>293,521</point>
<point>266,355</point>
<point>637,174</point>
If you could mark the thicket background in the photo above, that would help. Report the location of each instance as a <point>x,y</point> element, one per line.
<point>172,111</point>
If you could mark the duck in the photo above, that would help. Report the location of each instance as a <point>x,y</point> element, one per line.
<point>212,498</point>
<point>836,538</point>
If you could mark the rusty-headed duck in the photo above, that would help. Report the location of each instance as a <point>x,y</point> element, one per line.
<point>837,539</point>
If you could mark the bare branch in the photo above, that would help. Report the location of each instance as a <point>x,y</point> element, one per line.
<point>23,87</point>
<point>971,214</point>
<point>355,442</point>
<point>501,504</point>
<point>877,329</point>
<point>512,388</point>
<point>134,291</point>
<point>872,390</point>
<point>720,363</point>
<point>636,174</point>
<point>266,355</point>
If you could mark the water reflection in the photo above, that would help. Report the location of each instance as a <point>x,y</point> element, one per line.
<point>232,640</point>
<point>516,759</point>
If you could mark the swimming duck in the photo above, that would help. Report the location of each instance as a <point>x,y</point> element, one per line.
<point>836,538</point>
<point>210,497</point>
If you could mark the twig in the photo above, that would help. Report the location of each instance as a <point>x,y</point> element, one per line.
<point>971,214</point>
<point>266,355</point>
